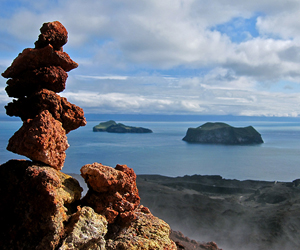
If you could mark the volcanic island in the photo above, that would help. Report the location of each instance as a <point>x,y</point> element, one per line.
<point>222,133</point>
<point>113,127</point>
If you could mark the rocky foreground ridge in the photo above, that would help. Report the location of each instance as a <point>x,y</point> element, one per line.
<point>222,133</point>
<point>41,207</point>
<point>238,215</point>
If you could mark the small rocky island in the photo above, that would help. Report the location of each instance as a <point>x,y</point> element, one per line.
<point>222,133</point>
<point>113,127</point>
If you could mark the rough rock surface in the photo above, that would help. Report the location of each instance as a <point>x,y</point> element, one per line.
<point>85,230</point>
<point>236,214</point>
<point>35,202</point>
<point>41,210</point>
<point>40,206</point>
<point>112,191</point>
<point>70,115</point>
<point>31,59</point>
<point>35,76</point>
<point>41,139</point>
<point>183,242</point>
<point>222,133</point>
<point>53,33</point>
<point>146,232</point>
<point>52,78</point>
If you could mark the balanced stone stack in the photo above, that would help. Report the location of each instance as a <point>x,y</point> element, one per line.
<point>35,78</point>
<point>41,207</point>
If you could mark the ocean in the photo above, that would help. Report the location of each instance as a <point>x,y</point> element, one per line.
<point>163,152</point>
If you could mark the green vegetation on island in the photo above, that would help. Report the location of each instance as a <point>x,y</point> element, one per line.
<point>113,127</point>
<point>222,133</point>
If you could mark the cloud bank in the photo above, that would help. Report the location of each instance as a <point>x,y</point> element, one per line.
<point>170,57</point>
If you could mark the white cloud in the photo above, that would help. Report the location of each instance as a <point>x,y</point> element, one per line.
<point>284,25</point>
<point>195,95</point>
<point>137,55</point>
<point>265,59</point>
<point>102,77</point>
<point>4,99</point>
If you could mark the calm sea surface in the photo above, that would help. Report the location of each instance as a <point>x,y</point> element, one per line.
<point>163,152</point>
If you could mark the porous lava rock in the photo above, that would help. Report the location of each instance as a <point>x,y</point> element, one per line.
<point>70,115</point>
<point>53,33</point>
<point>31,59</point>
<point>112,191</point>
<point>52,78</point>
<point>144,233</point>
<point>85,230</point>
<point>41,208</point>
<point>35,202</point>
<point>41,139</point>
<point>34,78</point>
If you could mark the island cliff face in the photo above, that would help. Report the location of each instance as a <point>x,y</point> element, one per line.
<point>41,207</point>
<point>222,133</point>
<point>113,127</point>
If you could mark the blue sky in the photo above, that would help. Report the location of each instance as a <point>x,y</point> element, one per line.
<point>219,57</point>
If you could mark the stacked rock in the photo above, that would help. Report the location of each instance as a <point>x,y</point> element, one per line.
<point>112,192</point>
<point>35,78</point>
<point>41,207</point>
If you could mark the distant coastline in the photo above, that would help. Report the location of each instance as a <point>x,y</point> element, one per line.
<point>170,118</point>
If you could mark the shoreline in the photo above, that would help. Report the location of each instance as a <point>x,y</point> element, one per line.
<point>158,178</point>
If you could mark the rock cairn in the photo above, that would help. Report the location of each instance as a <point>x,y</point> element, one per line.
<point>41,207</point>
<point>35,78</point>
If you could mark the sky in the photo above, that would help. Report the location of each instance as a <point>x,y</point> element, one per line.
<point>196,57</point>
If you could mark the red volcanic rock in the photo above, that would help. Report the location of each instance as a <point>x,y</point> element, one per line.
<point>35,203</point>
<point>31,59</point>
<point>53,33</point>
<point>35,75</point>
<point>51,78</point>
<point>39,210</point>
<point>145,233</point>
<point>70,115</point>
<point>112,192</point>
<point>41,139</point>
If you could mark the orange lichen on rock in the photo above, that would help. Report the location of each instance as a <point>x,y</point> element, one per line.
<point>112,191</point>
